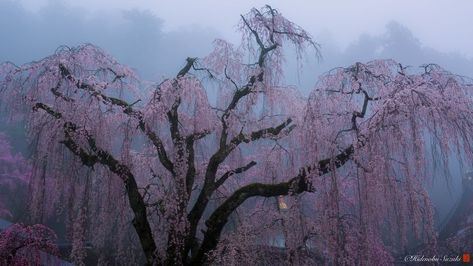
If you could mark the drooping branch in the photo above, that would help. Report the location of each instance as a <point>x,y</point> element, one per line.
<point>264,50</point>
<point>127,109</point>
<point>274,31</point>
<point>295,185</point>
<point>254,32</point>
<point>247,88</point>
<point>140,220</point>
<point>252,80</point>
<point>221,155</point>
<point>217,158</point>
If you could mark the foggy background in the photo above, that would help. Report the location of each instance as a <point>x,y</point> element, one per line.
<point>155,37</point>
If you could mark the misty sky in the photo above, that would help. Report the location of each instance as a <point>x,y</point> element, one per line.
<point>156,36</point>
<point>442,25</point>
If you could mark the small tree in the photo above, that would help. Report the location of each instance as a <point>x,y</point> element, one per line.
<point>187,163</point>
<point>22,245</point>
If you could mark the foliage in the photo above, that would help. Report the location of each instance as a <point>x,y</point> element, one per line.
<point>23,245</point>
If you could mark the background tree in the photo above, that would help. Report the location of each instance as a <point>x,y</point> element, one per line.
<point>15,172</point>
<point>23,245</point>
<point>224,139</point>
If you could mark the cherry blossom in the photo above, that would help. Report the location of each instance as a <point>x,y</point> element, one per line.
<point>165,174</point>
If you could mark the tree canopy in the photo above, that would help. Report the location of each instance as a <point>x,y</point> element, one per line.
<point>190,170</point>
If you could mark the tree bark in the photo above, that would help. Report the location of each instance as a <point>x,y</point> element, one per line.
<point>295,185</point>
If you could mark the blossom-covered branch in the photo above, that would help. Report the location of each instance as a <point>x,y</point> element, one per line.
<point>97,155</point>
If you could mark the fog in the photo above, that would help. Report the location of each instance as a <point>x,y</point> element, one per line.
<point>157,48</point>
<point>134,37</point>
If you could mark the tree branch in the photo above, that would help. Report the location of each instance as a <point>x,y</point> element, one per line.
<point>189,63</point>
<point>295,185</point>
<point>219,217</point>
<point>262,133</point>
<point>127,109</point>
<point>217,158</point>
<point>224,149</point>
<point>326,165</point>
<point>137,204</point>
<point>220,156</point>
<point>239,170</point>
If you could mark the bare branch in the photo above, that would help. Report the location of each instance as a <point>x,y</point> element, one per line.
<point>190,63</point>
<point>239,170</point>
<point>262,133</point>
